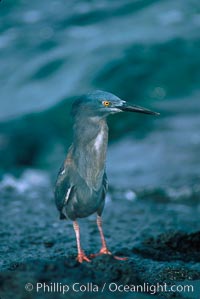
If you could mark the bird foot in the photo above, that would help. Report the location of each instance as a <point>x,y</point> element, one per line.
<point>105,250</point>
<point>82,257</point>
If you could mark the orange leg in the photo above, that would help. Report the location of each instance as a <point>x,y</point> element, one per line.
<point>81,255</point>
<point>104,248</point>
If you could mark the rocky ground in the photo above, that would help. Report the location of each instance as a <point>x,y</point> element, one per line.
<point>160,238</point>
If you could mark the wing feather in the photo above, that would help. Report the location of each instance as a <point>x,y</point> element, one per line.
<point>63,190</point>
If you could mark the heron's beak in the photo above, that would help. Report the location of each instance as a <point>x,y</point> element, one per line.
<point>134,108</point>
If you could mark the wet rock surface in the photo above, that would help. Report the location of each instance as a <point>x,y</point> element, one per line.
<point>157,237</point>
<point>172,246</point>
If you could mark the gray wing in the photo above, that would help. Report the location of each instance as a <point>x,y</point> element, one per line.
<point>63,191</point>
<point>105,188</point>
<point>105,184</point>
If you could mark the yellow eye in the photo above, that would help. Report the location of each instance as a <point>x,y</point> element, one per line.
<point>106,103</point>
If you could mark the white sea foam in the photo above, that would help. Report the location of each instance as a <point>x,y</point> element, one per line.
<point>29,180</point>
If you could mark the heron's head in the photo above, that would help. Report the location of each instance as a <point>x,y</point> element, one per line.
<point>101,103</point>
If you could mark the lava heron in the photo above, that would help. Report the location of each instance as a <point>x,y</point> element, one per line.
<point>82,183</point>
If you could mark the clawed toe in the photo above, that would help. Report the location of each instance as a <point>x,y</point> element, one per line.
<point>106,251</point>
<point>82,257</point>
<point>101,252</point>
<point>119,258</point>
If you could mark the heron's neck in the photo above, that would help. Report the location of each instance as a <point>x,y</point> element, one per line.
<point>89,149</point>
